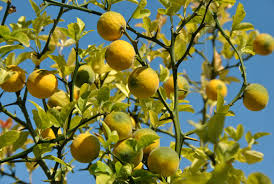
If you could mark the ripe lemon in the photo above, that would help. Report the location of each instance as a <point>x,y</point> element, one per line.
<point>213,86</point>
<point>110,25</point>
<point>263,44</point>
<point>59,99</point>
<point>85,74</point>
<point>126,153</point>
<point>85,148</point>
<point>183,87</point>
<point>163,161</point>
<point>42,83</point>
<point>120,122</point>
<point>120,55</point>
<point>49,134</point>
<point>147,131</point>
<point>143,82</point>
<point>255,97</point>
<point>16,81</point>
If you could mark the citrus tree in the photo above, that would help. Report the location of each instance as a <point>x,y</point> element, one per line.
<point>107,107</point>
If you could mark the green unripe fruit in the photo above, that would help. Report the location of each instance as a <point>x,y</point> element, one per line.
<point>85,74</point>
<point>255,97</point>
<point>164,161</point>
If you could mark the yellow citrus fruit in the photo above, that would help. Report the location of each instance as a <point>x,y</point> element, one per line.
<point>163,161</point>
<point>143,82</point>
<point>85,74</point>
<point>42,83</point>
<point>120,122</point>
<point>59,99</point>
<point>120,55</point>
<point>16,81</point>
<point>263,44</point>
<point>85,148</point>
<point>183,86</point>
<point>147,131</point>
<point>110,25</point>
<point>255,97</point>
<point>126,153</point>
<point>212,88</point>
<point>49,134</point>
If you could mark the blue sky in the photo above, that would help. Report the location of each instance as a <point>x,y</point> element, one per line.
<point>259,70</point>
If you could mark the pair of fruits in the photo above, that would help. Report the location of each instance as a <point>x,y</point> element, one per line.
<point>119,54</point>
<point>41,83</point>
<point>255,96</point>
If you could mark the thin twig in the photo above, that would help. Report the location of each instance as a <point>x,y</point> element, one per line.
<point>55,3</point>
<point>202,25</point>
<point>6,12</point>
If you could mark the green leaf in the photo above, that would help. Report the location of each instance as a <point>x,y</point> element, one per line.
<point>51,157</point>
<point>244,26</point>
<point>239,132</point>
<point>100,168</point>
<point>35,7</point>
<point>154,120</point>
<point>22,57</point>
<point>41,119</point>
<point>20,141</point>
<point>215,127</point>
<point>54,116</point>
<point>22,38</point>
<point>7,48</point>
<point>104,179</point>
<point>4,75</point>
<point>40,22</point>
<point>10,59</point>
<point>186,108</point>
<point>9,138</point>
<point>140,12</point>
<point>103,95</point>
<point>253,156</point>
<point>75,121</point>
<point>220,173</point>
<point>249,138</point>
<point>146,140</point>
<point>260,134</point>
<point>165,3</point>
<point>61,62</point>
<point>226,150</point>
<point>123,88</point>
<point>66,110</point>
<point>232,2</point>
<point>258,178</point>
<point>164,73</point>
<point>84,96</point>
<point>239,16</point>
<point>40,149</point>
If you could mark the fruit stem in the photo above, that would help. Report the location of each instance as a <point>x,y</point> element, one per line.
<point>242,67</point>
<point>135,46</point>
